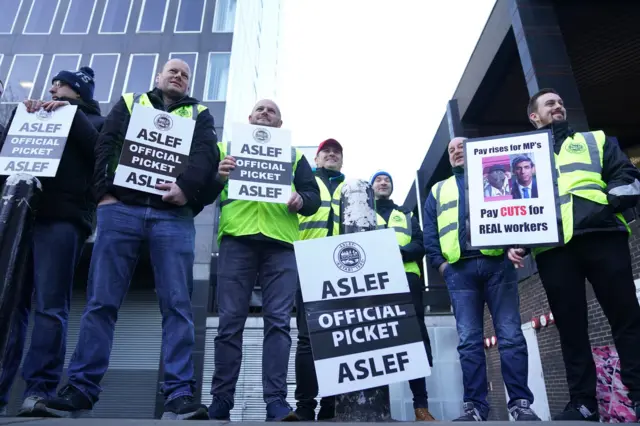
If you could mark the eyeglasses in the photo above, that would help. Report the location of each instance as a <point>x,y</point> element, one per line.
<point>58,84</point>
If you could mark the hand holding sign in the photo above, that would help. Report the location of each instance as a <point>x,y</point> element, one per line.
<point>53,105</point>
<point>225,168</point>
<point>175,194</point>
<point>515,255</point>
<point>295,202</point>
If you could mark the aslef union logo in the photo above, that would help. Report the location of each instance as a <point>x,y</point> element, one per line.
<point>349,257</point>
<point>163,122</point>
<point>261,135</point>
<point>44,115</point>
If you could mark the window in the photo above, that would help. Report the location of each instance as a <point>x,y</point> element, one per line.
<point>140,73</point>
<point>9,15</point>
<point>217,77</point>
<point>115,18</point>
<point>153,15</point>
<point>190,58</point>
<point>224,17</point>
<point>79,16</point>
<point>105,66</point>
<point>188,11</point>
<point>21,78</point>
<point>41,17</point>
<point>59,63</point>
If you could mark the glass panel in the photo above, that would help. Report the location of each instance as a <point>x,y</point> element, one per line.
<point>141,71</point>
<point>78,19</point>
<point>10,9</point>
<point>116,16</point>
<point>190,15</point>
<point>192,60</point>
<point>22,77</point>
<point>105,67</point>
<point>41,17</point>
<point>217,77</point>
<point>59,63</point>
<point>152,16</point>
<point>225,16</point>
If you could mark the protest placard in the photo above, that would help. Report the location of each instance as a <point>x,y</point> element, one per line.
<point>155,150</point>
<point>35,141</point>
<point>511,190</point>
<point>362,323</point>
<point>263,169</point>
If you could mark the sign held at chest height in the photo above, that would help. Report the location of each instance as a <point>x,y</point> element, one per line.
<point>362,324</point>
<point>156,149</point>
<point>35,141</point>
<point>264,168</point>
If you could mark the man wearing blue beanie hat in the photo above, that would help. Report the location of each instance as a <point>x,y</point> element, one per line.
<point>409,237</point>
<point>80,81</point>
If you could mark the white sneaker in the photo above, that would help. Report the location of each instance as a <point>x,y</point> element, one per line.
<point>29,404</point>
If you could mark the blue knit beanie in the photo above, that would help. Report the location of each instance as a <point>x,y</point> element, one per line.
<point>80,81</point>
<point>381,173</point>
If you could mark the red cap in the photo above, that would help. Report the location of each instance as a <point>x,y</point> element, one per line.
<point>328,143</point>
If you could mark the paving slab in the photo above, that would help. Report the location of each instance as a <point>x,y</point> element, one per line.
<point>141,422</point>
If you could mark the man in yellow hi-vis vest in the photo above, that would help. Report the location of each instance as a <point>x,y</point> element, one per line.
<point>324,223</point>
<point>256,243</point>
<point>473,278</point>
<point>409,236</point>
<point>596,183</point>
<point>127,219</point>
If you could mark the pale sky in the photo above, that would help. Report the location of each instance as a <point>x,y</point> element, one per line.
<point>375,75</point>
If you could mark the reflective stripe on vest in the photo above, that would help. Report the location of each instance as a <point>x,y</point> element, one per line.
<point>240,217</point>
<point>447,199</point>
<point>316,226</point>
<point>401,223</point>
<point>579,167</point>
<point>191,111</point>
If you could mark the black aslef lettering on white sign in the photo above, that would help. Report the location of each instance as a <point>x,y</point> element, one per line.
<point>369,367</point>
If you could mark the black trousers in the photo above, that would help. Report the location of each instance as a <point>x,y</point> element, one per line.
<point>306,382</point>
<point>605,260</point>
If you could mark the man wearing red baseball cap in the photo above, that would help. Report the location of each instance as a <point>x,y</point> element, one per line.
<point>324,223</point>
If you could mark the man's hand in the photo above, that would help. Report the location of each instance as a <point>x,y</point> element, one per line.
<point>53,105</point>
<point>225,167</point>
<point>516,256</point>
<point>175,194</point>
<point>443,267</point>
<point>107,199</point>
<point>295,202</point>
<point>32,105</point>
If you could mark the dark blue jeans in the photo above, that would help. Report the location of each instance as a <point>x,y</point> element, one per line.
<point>242,261</point>
<point>471,283</point>
<point>56,248</point>
<point>122,229</point>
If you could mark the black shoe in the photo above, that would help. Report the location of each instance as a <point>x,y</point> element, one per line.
<point>70,402</point>
<point>471,414</point>
<point>637,404</point>
<point>303,414</point>
<point>327,413</point>
<point>521,411</point>
<point>575,411</point>
<point>185,408</point>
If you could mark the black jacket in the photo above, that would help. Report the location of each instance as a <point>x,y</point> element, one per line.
<point>414,251</point>
<point>331,179</point>
<point>617,172</point>
<point>67,196</point>
<point>196,182</point>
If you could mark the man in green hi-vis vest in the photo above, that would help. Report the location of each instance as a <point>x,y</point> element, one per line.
<point>129,219</point>
<point>256,243</point>
<point>409,237</point>
<point>473,278</point>
<point>596,183</point>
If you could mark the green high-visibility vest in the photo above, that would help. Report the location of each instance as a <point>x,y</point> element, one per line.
<point>447,199</point>
<point>401,223</point>
<point>579,167</point>
<point>240,217</point>
<point>317,226</point>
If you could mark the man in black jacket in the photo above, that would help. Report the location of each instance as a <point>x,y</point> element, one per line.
<point>599,180</point>
<point>412,250</point>
<point>63,222</point>
<point>126,219</point>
